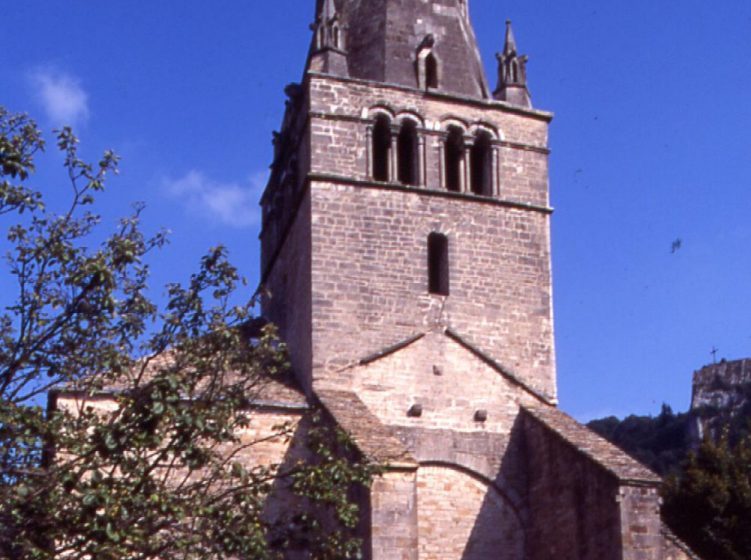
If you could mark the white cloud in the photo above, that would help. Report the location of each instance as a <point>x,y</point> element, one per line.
<point>231,204</point>
<point>61,96</point>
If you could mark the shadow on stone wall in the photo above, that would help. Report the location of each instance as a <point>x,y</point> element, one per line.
<point>501,526</point>
<point>287,513</point>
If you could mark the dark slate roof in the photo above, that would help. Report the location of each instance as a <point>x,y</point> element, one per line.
<point>601,451</point>
<point>382,38</point>
<point>375,440</point>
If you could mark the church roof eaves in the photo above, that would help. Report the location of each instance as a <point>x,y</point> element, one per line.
<point>670,536</point>
<point>374,440</point>
<point>621,465</point>
<point>390,349</point>
<point>393,348</point>
<point>479,101</point>
<point>547,399</point>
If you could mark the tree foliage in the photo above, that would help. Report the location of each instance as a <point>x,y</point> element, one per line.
<point>708,504</point>
<point>659,442</point>
<point>154,469</point>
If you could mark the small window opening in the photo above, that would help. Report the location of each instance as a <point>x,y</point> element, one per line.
<point>431,71</point>
<point>438,264</point>
<point>335,36</point>
<point>381,148</point>
<point>454,153</point>
<point>407,145</point>
<point>481,164</point>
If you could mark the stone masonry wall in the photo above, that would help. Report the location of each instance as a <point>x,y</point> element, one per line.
<point>393,502</point>
<point>446,380</point>
<point>573,503</point>
<point>287,301</point>
<point>463,518</point>
<point>369,278</point>
<point>341,111</point>
<point>641,526</point>
<point>472,477</point>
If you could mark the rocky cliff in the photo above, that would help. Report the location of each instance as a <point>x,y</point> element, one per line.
<point>721,397</point>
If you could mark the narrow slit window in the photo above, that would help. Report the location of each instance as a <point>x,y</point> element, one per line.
<point>431,71</point>
<point>335,36</point>
<point>454,153</point>
<point>381,148</point>
<point>438,264</point>
<point>481,164</point>
<point>408,153</point>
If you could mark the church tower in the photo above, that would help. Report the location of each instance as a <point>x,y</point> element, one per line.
<point>406,199</point>
<point>406,261</point>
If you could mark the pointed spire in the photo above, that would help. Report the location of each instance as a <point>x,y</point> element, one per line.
<point>512,73</point>
<point>510,47</point>
<point>380,40</point>
<point>328,50</point>
<point>328,28</point>
<point>329,10</point>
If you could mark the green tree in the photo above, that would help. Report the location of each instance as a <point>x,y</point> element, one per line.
<point>708,504</point>
<point>660,442</point>
<point>158,475</point>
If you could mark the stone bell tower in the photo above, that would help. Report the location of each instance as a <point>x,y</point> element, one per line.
<point>396,168</point>
<point>406,261</point>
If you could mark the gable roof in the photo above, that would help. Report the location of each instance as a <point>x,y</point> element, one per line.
<point>483,356</point>
<point>597,448</point>
<point>375,440</point>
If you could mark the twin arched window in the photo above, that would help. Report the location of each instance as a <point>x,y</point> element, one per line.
<point>479,162</point>
<point>468,163</point>
<point>407,164</point>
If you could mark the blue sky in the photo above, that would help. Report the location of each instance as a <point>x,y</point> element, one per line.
<point>651,145</point>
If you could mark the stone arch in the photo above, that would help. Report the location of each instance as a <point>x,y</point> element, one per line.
<point>490,129</point>
<point>484,522</point>
<point>408,114</point>
<point>379,108</point>
<point>452,120</point>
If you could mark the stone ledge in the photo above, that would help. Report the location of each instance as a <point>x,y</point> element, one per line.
<point>546,116</point>
<point>425,191</point>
